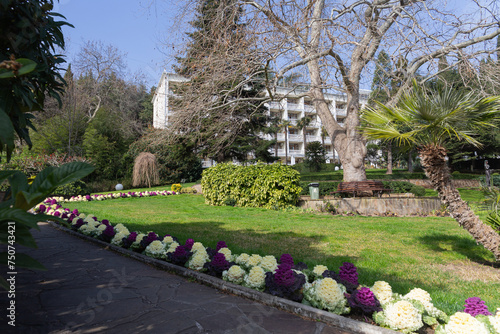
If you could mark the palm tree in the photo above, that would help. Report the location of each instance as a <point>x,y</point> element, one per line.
<point>301,125</point>
<point>284,124</point>
<point>427,120</point>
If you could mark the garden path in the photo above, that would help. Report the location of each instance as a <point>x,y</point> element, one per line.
<point>88,289</point>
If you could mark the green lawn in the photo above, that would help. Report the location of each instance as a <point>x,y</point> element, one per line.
<point>432,253</point>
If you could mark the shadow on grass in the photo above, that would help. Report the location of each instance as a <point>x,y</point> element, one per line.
<point>459,244</point>
<point>301,247</point>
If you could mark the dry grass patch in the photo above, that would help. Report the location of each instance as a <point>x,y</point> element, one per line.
<point>471,271</point>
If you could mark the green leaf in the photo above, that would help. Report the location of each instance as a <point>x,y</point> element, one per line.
<point>6,129</point>
<point>51,178</point>
<point>27,67</point>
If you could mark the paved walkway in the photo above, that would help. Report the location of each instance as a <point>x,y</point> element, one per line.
<point>88,289</point>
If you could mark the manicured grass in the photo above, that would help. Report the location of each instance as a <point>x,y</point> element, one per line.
<point>432,253</point>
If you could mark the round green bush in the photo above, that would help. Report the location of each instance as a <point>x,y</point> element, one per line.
<point>260,185</point>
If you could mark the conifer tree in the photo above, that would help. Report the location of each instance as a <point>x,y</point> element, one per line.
<point>221,115</point>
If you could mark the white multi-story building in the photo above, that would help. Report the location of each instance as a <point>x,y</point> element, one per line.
<point>292,105</point>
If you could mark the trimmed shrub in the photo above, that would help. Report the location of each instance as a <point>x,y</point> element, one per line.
<point>176,187</point>
<point>400,187</point>
<point>72,189</point>
<point>260,185</point>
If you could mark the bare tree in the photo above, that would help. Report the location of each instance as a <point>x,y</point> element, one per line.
<point>96,63</point>
<point>334,43</point>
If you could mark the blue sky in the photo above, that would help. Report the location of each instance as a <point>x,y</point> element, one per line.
<point>136,28</point>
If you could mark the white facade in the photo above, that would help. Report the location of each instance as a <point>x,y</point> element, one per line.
<point>292,106</point>
<point>163,93</point>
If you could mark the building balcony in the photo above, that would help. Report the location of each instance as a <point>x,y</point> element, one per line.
<point>293,121</point>
<point>294,106</point>
<point>296,153</point>
<point>313,138</point>
<point>341,112</point>
<point>275,105</point>
<point>295,138</point>
<point>309,109</point>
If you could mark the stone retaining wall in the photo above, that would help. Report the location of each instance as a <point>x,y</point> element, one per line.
<point>372,206</point>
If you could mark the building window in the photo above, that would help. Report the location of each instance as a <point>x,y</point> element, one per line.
<point>293,131</point>
<point>292,116</point>
<point>293,147</point>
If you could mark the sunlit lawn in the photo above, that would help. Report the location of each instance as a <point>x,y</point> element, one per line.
<point>432,253</point>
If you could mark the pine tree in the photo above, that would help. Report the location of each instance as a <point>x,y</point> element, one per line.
<point>382,83</point>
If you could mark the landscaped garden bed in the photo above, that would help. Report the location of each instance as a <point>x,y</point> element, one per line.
<point>286,279</point>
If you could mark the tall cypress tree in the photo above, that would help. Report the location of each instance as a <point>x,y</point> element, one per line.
<point>221,115</point>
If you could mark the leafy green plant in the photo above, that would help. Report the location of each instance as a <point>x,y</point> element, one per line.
<point>257,185</point>
<point>16,222</point>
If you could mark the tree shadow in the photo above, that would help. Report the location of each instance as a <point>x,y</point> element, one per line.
<point>440,242</point>
<point>301,247</point>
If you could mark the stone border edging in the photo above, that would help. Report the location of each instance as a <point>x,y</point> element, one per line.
<point>264,298</point>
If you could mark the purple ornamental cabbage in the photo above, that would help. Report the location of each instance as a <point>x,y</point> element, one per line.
<point>363,300</point>
<point>108,233</point>
<point>285,283</point>
<point>79,223</point>
<point>475,306</point>
<point>148,239</point>
<point>129,240</point>
<point>217,265</point>
<point>75,212</point>
<point>347,272</point>
<point>286,258</point>
<point>350,287</point>
<point>64,215</point>
<point>284,275</point>
<point>220,244</point>
<point>105,222</point>
<point>189,244</point>
<point>180,256</point>
<point>41,208</point>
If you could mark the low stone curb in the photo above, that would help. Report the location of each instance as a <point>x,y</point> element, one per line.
<point>264,298</point>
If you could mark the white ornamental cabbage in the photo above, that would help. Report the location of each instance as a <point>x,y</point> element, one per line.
<point>173,246</point>
<point>327,294</point>
<point>234,275</point>
<point>242,259</point>
<point>256,278</point>
<point>118,238</point>
<point>227,253</point>
<point>156,249</point>
<point>269,263</point>
<point>383,291</point>
<point>254,260</point>
<point>198,260</point>
<point>319,269</point>
<point>463,323</point>
<point>197,246</point>
<point>403,316</point>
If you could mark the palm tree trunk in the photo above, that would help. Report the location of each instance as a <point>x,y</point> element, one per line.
<point>389,158</point>
<point>435,166</point>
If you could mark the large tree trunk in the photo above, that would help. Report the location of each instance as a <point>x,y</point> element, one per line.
<point>347,141</point>
<point>435,166</point>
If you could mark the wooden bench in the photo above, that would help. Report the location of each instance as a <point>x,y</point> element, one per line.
<point>360,187</point>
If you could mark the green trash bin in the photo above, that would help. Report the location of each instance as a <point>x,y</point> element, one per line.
<point>314,190</point>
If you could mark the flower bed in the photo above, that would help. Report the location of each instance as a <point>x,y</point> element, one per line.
<point>338,292</point>
<point>102,197</point>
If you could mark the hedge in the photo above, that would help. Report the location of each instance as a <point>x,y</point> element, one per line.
<point>326,188</point>
<point>260,185</point>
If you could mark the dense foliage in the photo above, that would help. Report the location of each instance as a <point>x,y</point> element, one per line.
<point>29,68</point>
<point>315,156</point>
<point>176,162</point>
<point>260,185</point>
